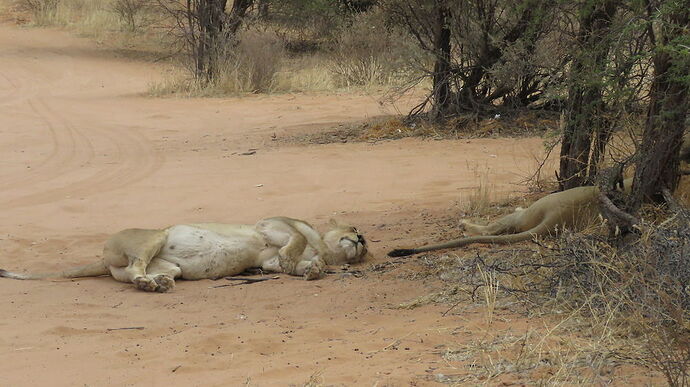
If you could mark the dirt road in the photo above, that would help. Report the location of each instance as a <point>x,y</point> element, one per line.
<point>84,154</point>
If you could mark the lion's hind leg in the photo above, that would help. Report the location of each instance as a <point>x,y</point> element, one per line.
<point>129,252</point>
<point>160,276</point>
<point>505,225</point>
<point>291,243</point>
<point>473,229</point>
<point>163,274</point>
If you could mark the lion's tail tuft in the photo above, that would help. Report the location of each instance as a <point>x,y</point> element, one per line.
<point>401,252</point>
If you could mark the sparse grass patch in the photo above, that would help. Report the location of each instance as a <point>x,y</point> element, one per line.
<point>611,306</point>
<point>250,67</point>
<point>174,82</point>
<point>478,200</point>
<point>547,355</point>
<point>617,306</point>
<point>119,29</point>
<point>396,127</point>
<point>91,18</point>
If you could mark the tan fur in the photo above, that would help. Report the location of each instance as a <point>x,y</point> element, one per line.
<point>153,259</point>
<point>569,209</point>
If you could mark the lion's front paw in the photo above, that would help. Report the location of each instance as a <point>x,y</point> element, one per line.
<point>165,283</point>
<point>314,271</point>
<point>146,284</point>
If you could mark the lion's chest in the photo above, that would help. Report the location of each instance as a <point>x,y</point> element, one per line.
<point>202,253</point>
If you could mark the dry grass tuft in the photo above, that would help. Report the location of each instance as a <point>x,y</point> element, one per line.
<point>305,74</point>
<point>251,67</point>
<point>42,12</point>
<point>478,200</point>
<point>491,285</point>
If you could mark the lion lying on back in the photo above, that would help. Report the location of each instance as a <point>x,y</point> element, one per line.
<point>153,259</point>
<point>570,209</point>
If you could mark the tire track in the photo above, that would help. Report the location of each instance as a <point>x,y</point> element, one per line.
<point>69,166</point>
<point>14,93</point>
<point>62,155</point>
<point>21,87</point>
<point>61,175</point>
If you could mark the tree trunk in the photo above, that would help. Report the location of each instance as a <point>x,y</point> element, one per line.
<point>236,16</point>
<point>586,130</point>
<point>658,165</point>
<point>211,20</point>
<point>216,31</point>
<point>441,81</point>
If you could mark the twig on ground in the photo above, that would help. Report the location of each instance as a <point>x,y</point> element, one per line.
<point>355,273</point>
<point>125,329</point>
<point>250,280</point>
<point>451,308</point>
<point>244,281</point>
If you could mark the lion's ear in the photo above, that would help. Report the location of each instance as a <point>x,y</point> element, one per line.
<point>333,223</point>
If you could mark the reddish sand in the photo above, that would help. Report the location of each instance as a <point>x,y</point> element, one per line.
<point>84,155</point>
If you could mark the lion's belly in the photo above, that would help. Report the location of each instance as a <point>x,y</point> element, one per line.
<point>201,253</point>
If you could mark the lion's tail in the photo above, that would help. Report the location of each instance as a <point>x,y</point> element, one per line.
<point>500,239</point>
<point>91,270</point>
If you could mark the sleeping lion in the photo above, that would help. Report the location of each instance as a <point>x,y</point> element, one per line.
<point>153,259</point>
<point>571,209</point>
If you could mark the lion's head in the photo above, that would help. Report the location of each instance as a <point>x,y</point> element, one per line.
<point>346,241</point>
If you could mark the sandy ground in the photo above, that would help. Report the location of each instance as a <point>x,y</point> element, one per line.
<point>84,155</point>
